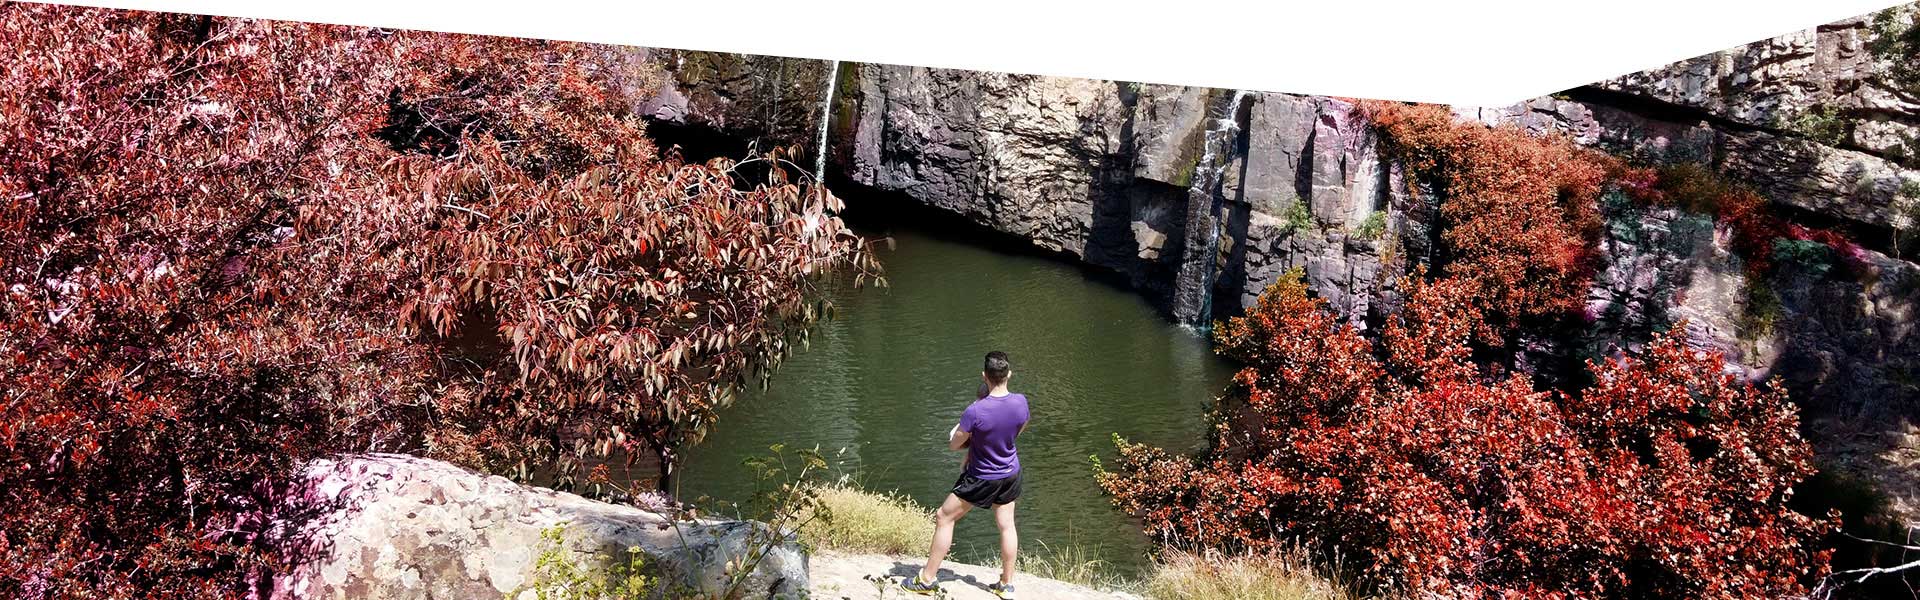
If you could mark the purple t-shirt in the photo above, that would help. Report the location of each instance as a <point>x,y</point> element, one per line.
<point>993,423</point>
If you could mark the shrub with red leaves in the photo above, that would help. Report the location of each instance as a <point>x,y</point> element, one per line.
<point>1519,214</point>
<point>1667,478</point>
<point>230,245</point>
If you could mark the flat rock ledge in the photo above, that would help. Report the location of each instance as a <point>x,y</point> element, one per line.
<point>389,526</point>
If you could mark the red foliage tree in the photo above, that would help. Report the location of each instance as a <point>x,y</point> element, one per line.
<point>1519,214</point>
<point>229,245</point>
<point>624,304</point>
<point>1666,478</point>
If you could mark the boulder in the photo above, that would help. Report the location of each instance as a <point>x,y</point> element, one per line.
<point>390,526</point>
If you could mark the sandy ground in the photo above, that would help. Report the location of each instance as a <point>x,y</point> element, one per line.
<point>838,576</point>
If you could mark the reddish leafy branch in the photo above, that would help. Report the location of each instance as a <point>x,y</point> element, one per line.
<point>1666,478</point>
<point>628,302</point>
<point>228,245</point>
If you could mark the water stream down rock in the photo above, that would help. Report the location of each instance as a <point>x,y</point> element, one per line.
<point>1199,267</point>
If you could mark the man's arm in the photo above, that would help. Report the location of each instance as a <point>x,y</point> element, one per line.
<point>957,439</point>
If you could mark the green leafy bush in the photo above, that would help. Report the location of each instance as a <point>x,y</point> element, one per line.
<point>557,575</point>
<point>1823,124</point>
<point>1373,227</point>
<point>1808,256</point>
<point>1297,217</point>
<point>1761,309</point>
<point>1896,41</point>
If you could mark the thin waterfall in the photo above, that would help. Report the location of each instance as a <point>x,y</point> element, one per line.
<point>1193,287</point>
<point>826,120</point>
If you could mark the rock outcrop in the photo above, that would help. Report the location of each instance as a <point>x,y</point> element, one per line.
<point>1844,334</point>
<point>1844,344</point>
<point>1100,171</point>
<point>394,526</point>
<point>1792,81</point>
<point>1794,171</point>
<point>765,99</point>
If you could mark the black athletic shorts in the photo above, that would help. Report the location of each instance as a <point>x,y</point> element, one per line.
<point>985,493</point>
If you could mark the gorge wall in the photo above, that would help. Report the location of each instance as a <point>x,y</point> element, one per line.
<point>1096,170</point>
<point>1100,171</point>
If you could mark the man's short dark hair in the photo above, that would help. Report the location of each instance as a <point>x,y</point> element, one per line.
<point>997,367</point>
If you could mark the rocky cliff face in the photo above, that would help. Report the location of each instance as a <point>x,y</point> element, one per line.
<point>1100,171</point>
<point>761,99</point>
<point>1818,124</point>
<point>1793,82</point>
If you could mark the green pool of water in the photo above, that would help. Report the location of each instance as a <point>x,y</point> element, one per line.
<point>881,385</point>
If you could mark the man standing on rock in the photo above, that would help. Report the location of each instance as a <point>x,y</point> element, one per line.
<point>990,479</point>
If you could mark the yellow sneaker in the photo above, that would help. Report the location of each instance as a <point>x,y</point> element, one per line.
<point>915,585</point>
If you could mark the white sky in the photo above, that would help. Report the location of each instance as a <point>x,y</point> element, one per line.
<point>1469,52</point>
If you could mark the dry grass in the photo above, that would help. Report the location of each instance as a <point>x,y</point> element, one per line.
<point>861,521</point>
<point>1071,564</point>
<point>1276,576</point>
<point>869,522</point>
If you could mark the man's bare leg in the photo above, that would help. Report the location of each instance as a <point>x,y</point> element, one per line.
<point>943,520</point>
<point>1009,541</point>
